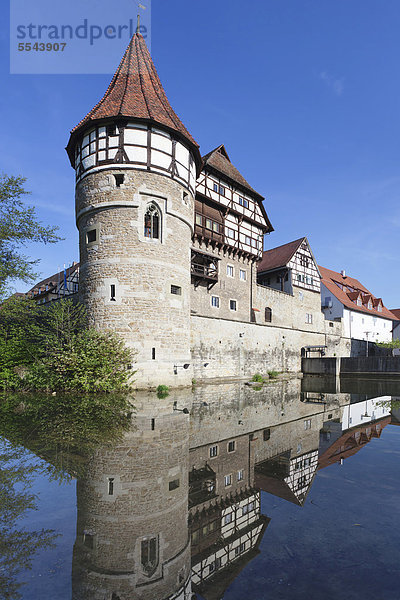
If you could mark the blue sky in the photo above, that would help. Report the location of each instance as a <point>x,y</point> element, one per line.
<point>303,93</point>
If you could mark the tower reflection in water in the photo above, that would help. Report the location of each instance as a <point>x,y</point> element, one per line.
<point>175,509</point>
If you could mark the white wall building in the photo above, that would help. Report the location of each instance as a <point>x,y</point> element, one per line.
<point>364,317</point>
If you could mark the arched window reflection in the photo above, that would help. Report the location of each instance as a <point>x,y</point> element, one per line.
<point>152,219</point>
<point>149,555</point>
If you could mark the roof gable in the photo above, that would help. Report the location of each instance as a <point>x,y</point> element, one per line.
<point>280,256</point>
<point>219,160</point>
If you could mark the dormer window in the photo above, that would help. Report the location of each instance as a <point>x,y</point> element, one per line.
<point>359,301</point>
<point>152,219</point>
<point>369,304</point>
<point>379,307</point>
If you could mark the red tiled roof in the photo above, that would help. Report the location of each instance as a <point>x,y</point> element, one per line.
<point>345,296</point>
<point>219,161</point>
<point>53,280</point>
<point>136,91</point>
<point>395,312</point>
<point>279,256</point>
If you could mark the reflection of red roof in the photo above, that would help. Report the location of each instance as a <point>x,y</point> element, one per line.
<point>347,290</point>
<point>279,256</point>
<point>136,91</point>
<point>351,442</point>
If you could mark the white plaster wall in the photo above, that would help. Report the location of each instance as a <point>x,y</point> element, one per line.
<point>362,326</point>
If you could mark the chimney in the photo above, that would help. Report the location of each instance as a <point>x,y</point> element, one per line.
<point>343,273</point>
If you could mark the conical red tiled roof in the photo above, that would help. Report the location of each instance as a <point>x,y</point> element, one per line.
<point>136,91</point>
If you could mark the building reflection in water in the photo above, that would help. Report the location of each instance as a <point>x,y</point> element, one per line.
<point>175,509</point>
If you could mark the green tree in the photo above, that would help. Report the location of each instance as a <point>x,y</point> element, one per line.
<point>18,226</point>
<point>51,348</point>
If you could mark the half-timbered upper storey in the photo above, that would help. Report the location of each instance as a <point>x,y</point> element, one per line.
<point>134,125</point>
<point>228,210</point>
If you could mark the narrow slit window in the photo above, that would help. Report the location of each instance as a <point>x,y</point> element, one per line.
<point>268,314</point>
<point>112,292</point>
<point>111,486</point>
<point>153,424</point>
<point>153,354</point>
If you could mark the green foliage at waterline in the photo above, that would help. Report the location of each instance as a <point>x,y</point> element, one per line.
<point>391,344</point>
<point>51,348</point>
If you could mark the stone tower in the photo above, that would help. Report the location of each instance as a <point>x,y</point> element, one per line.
<point>136,167</point>
<point>132,538</point>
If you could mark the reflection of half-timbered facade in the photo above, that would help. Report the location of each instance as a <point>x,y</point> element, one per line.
<point>225,521</point>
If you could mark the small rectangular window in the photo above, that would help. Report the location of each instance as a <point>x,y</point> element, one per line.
<point>233,305</point>
<point>213,451</point>
<point>231,446</point>
<point>240,475</point>
<point>228,480</point>
<point>228,519</point>
<point>119,179</point>
<point>199,219</point>
<point>215,301</point>
<point>216,187</point>
<point>208,224</point>
<point>221,190</point>
<point>229,270</point>
<point>175,289</point>
<point>91,236</point>
<point>242,274</point>
<point>230,233</point>
<point>309,318</point>
<point>111,130</point>
<point>266,434</point>
<point>307,424</point>
<point>88,540</point>
<point>173,485</point>
<point>112,292</point>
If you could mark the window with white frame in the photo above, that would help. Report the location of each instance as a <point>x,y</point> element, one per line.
<point>228,519</point>
<point>213,451</point>
<point>229,270</point>
<point>308,318</point>
<point>231,446</point>
<point>240,475</point>
<point>230,233</point>
<point>307,424</point>
<point>228,480</point>
<point>242,275</point>
<point>215,301</point>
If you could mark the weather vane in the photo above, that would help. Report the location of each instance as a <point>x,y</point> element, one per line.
<point>140,6</point>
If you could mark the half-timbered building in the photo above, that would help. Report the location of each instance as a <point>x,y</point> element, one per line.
<point>229,226</point>
<point>290,267</point>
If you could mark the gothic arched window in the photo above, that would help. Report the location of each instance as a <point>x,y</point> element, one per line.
<point>268,314</point>
<point>152,221</point>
